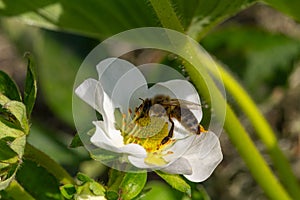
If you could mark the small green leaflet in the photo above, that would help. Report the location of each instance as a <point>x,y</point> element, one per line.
<point>176,182</point>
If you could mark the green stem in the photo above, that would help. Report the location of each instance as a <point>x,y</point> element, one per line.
<point>255,162</point>
<point>166,14</point>
<point>236,132</point>
<point>264,131</point>
<point>243,143</point>
<point>48,163</point>
<point>16,191</point>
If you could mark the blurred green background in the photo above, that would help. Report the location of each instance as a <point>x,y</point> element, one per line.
<point>260,46</point>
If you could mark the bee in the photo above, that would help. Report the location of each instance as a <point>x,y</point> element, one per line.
<point>162,105</point>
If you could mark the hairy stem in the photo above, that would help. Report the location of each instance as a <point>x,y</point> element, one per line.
<point>264,131</point>
<point>236,132</point>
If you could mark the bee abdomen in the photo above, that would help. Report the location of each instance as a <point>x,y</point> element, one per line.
<point>187,119</point>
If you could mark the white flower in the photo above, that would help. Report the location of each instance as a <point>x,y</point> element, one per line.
<point>121,89</point>
<point>90,197</point>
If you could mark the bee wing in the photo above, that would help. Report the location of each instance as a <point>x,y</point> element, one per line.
<point>184,103</point>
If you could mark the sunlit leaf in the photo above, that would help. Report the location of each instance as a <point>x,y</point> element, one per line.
<point>97,188</point>
<point>84,178</point>
<point>132,184</point>
<point>15,112</point>
<point>7,154</point>
<point>91,16</point>
<point>159,190</point>
<point>10,173</point>
<point>9,130</point>
<point>101,18</point>
<point>176,181</point>
<point>12,150</point>
<point>68,191</point>
<point>125,185</point>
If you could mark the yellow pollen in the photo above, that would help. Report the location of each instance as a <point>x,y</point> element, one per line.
<point>148,132</point>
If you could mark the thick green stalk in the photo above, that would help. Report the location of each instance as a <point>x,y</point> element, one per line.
<point>166,14</point>
<point>264,131</point>
<point>48,163</point>
<point>255,162</point>
<point>244,145</point>
<point>16,191</point>
<point>239,137</point>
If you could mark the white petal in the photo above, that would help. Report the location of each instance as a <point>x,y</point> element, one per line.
<point>102,140</point>
<point>139,163</point>
<point>203,156</point>
<point>110,71</point>
<point>120,79</point>
<point>92,93</point>
<point>130,87</point>
<point>180,166</point>
<point>133,150</point>
<point>179,148</point>
<point>103,135</point>
<point>203,144</point>
<point>107,111</point>
<point>179,89</point>
<point>87,91</point>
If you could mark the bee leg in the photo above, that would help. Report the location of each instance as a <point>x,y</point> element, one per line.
<point>170,134</point>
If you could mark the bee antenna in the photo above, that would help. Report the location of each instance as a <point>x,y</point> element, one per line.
<point>142,99</point>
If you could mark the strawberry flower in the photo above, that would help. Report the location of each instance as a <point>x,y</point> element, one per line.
<point>136,136</point>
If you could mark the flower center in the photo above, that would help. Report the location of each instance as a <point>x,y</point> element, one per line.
<point>148,129</point>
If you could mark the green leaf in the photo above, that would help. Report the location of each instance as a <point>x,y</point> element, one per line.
<point>58,67</point>
<point>160,190</point>
<point>7,154</point>
<point>31,182</point>
<point>176,181</point>
<point>196,17</point>
<point>290,7</point>
<point>7,175</point>
<point>55,144</point>
<point>11,152</point>
<point>16,113</point>
<point>30,90</point>
<point>125,185</point>
<point>44,161</point>
<point>18,145</point>
<point>68,191</point>
<point>94,17</point>
<point>84,178</point>
<point>9,130</point>
<point>8,87</point>
<point>97,188</point>
<point>91,16</point>
<point>264,56</point>
<point>76,142</point>
<point>87,187</point>
<point>132,184</point>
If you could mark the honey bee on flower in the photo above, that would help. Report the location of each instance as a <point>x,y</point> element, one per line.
<point>150,128</point>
